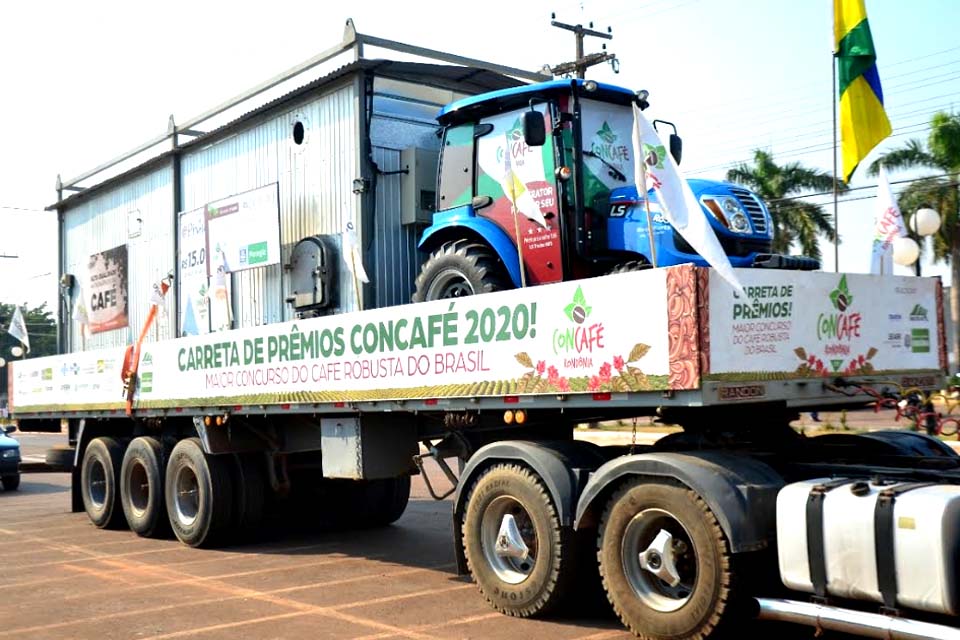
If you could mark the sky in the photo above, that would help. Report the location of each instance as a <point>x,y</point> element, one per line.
<point>83,82</point>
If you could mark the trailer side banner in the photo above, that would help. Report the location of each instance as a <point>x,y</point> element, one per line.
<point>823,325</point>
<point>655,330</point>
<point>600,335</point>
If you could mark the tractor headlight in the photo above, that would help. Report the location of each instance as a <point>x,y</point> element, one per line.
<point>728,212</point>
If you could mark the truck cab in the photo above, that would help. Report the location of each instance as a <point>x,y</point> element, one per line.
<point>512,213</point>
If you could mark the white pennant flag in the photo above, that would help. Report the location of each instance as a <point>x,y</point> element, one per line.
<point>18,328</point>
<point>351,254</point>
<point>656,168</point>
<point>889,226</point>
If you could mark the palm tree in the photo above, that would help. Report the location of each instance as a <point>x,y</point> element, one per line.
<point>794,221</point>
<point>939,192</point>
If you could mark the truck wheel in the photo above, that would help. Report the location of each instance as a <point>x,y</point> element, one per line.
<point>141,488</point>
<point>249,493</point>
<point>386,500</point>
<point>514,545</point>
<point>664,562</point>
<point>457,269</point>
<point>11,482</point>
<point>100,482</point>
<point>198,494</point>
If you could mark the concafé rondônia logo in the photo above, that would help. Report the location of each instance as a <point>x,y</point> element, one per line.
<point>582,337</point>
<point>844,325</point>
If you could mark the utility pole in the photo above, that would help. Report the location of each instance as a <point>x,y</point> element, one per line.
<point>583,62</point>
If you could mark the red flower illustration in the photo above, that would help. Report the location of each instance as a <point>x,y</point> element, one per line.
<point>605,373</point>
<point>541,367</point>
<point>618,363</point>
<point>563,384</point>
<point>811,360</point>
<point>594,384</point>
<point>552,374</point>
<point>861,360</point>
<point>819,364</point>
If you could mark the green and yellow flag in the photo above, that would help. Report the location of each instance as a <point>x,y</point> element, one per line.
<point>863,122</point>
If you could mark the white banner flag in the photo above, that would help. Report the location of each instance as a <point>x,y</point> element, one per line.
<point>18,328</point>
<point>351,253</point>
<point>677,202</point>
<point>889,226</point>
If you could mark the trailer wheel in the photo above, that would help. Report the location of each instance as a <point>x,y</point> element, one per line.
<point>141,488</point>
<point>385,500</point>
<point>249,492</point>
<point>100,482</point>
<point>515,548</point>
<point>665,563</point>
<point>11,482</point>
<point>198,494</point>
<point>457,269</point>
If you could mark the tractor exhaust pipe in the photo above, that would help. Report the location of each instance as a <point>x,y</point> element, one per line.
<point>871,625</point>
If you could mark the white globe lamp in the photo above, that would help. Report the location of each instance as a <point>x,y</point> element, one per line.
<point>905,251</point>
<point>3,362</point>
<point>17,351</point>
<point>925,222</point>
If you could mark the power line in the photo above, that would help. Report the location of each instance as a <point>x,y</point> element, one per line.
<point>872,186</point>
<point>792,152</point>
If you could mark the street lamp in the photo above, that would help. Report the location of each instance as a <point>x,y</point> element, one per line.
<point>17,351</point>
<point>906,251</point>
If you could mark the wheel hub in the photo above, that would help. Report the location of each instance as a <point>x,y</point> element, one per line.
<point>659,560</point>
<point>186,496</point>
<point>509,540</point>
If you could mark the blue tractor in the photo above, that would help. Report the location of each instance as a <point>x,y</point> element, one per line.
<point>535,186</point>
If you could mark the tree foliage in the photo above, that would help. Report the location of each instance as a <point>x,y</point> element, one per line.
<point>41,329</point>
<point>939,192</point>
<point>795,222</point>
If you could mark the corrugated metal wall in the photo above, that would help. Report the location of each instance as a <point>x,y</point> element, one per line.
<point>403,117</point>
<point>101,223</point>
<point>315,185</point>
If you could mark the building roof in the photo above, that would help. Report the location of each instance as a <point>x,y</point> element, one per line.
<point>461,79</point>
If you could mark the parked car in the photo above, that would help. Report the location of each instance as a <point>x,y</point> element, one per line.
<point>9,459</point>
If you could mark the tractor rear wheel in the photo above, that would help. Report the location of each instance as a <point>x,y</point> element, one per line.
<point>460,268</point>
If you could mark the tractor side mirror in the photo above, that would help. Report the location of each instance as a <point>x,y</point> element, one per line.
<point>534,130</point>
<point>676,147</point>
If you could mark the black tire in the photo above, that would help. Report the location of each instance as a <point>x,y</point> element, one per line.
<point>100,482</point>
<point>517,586</point>
<point>385,501</point>
<point>61,457</point>
<point>640,264</point>
<point>460,268</point>
<point>198,494</point>
<point>141,488</point>
<point>249,493</point>
<point>11,482</point>
<point>700,604</point>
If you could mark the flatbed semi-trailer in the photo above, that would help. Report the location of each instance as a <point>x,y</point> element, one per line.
<point>687,530</point>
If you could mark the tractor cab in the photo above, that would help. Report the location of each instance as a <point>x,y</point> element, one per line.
<point>536,185</point>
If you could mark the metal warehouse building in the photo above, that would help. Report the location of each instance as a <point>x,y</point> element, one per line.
<point>341,148</point>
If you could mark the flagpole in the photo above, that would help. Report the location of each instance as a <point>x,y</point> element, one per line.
<point>836,212</point>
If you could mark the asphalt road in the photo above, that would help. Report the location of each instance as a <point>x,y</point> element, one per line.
<point>62,578</point>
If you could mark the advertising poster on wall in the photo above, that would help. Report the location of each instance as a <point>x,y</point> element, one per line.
<point>192,279</point>
<point>107,291</point>
<point>243,231</point>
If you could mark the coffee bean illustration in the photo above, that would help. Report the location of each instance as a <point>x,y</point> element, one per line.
<point>842,302</point>
<point>652,158</point>
<point>579,314</point>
